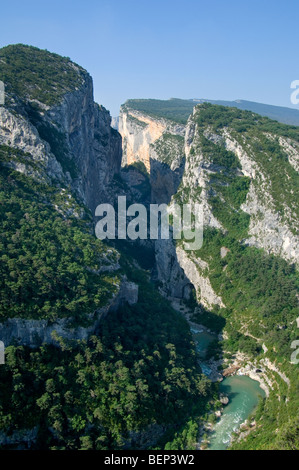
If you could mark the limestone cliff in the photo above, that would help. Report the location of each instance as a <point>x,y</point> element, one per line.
<point>64,130</point>
<point>33,333</point>
<point>53,132</point>
<point>94,146</point>
<point>139,131</point>
<point>244,180</point>
<point>270,202</point>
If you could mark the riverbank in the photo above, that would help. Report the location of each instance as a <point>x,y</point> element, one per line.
<point>244,395</point>
<point>249,381</point>
<point>243,365</point>
<point>211,368</point>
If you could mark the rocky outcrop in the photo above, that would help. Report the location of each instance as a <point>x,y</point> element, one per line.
<point>262,370</point>
<point>268,231</point>
<point>33,333</point>
<point>179,272</point>
<point>70,143</point>
<point>174,282</point>
<point>224,399</point>
<point>164,181</point>
<point>17,132</point>
<point>196,271</point>
<point>195,185</point>
<point>139,131</point>
<point>94,147</point>
<point>128,293</point>
<point>267,228</point>
<point>292,150</point>
<point>167,163</point>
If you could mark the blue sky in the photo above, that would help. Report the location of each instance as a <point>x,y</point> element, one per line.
<point>212,49</point>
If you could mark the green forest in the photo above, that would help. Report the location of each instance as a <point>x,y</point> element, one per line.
<point>36,74</point>
<point>48,260</point>
<point>138,371</point>
<point>174,109</point>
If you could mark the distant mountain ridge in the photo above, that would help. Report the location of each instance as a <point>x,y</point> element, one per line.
<point>179,110</point>
<point>278,113</point>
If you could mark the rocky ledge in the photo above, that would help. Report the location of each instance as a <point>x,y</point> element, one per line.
<point>33,333</point>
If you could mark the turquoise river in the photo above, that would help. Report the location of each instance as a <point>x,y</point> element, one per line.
<point>243,393</point>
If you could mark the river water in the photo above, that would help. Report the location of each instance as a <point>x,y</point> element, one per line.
<point>243,394</point>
